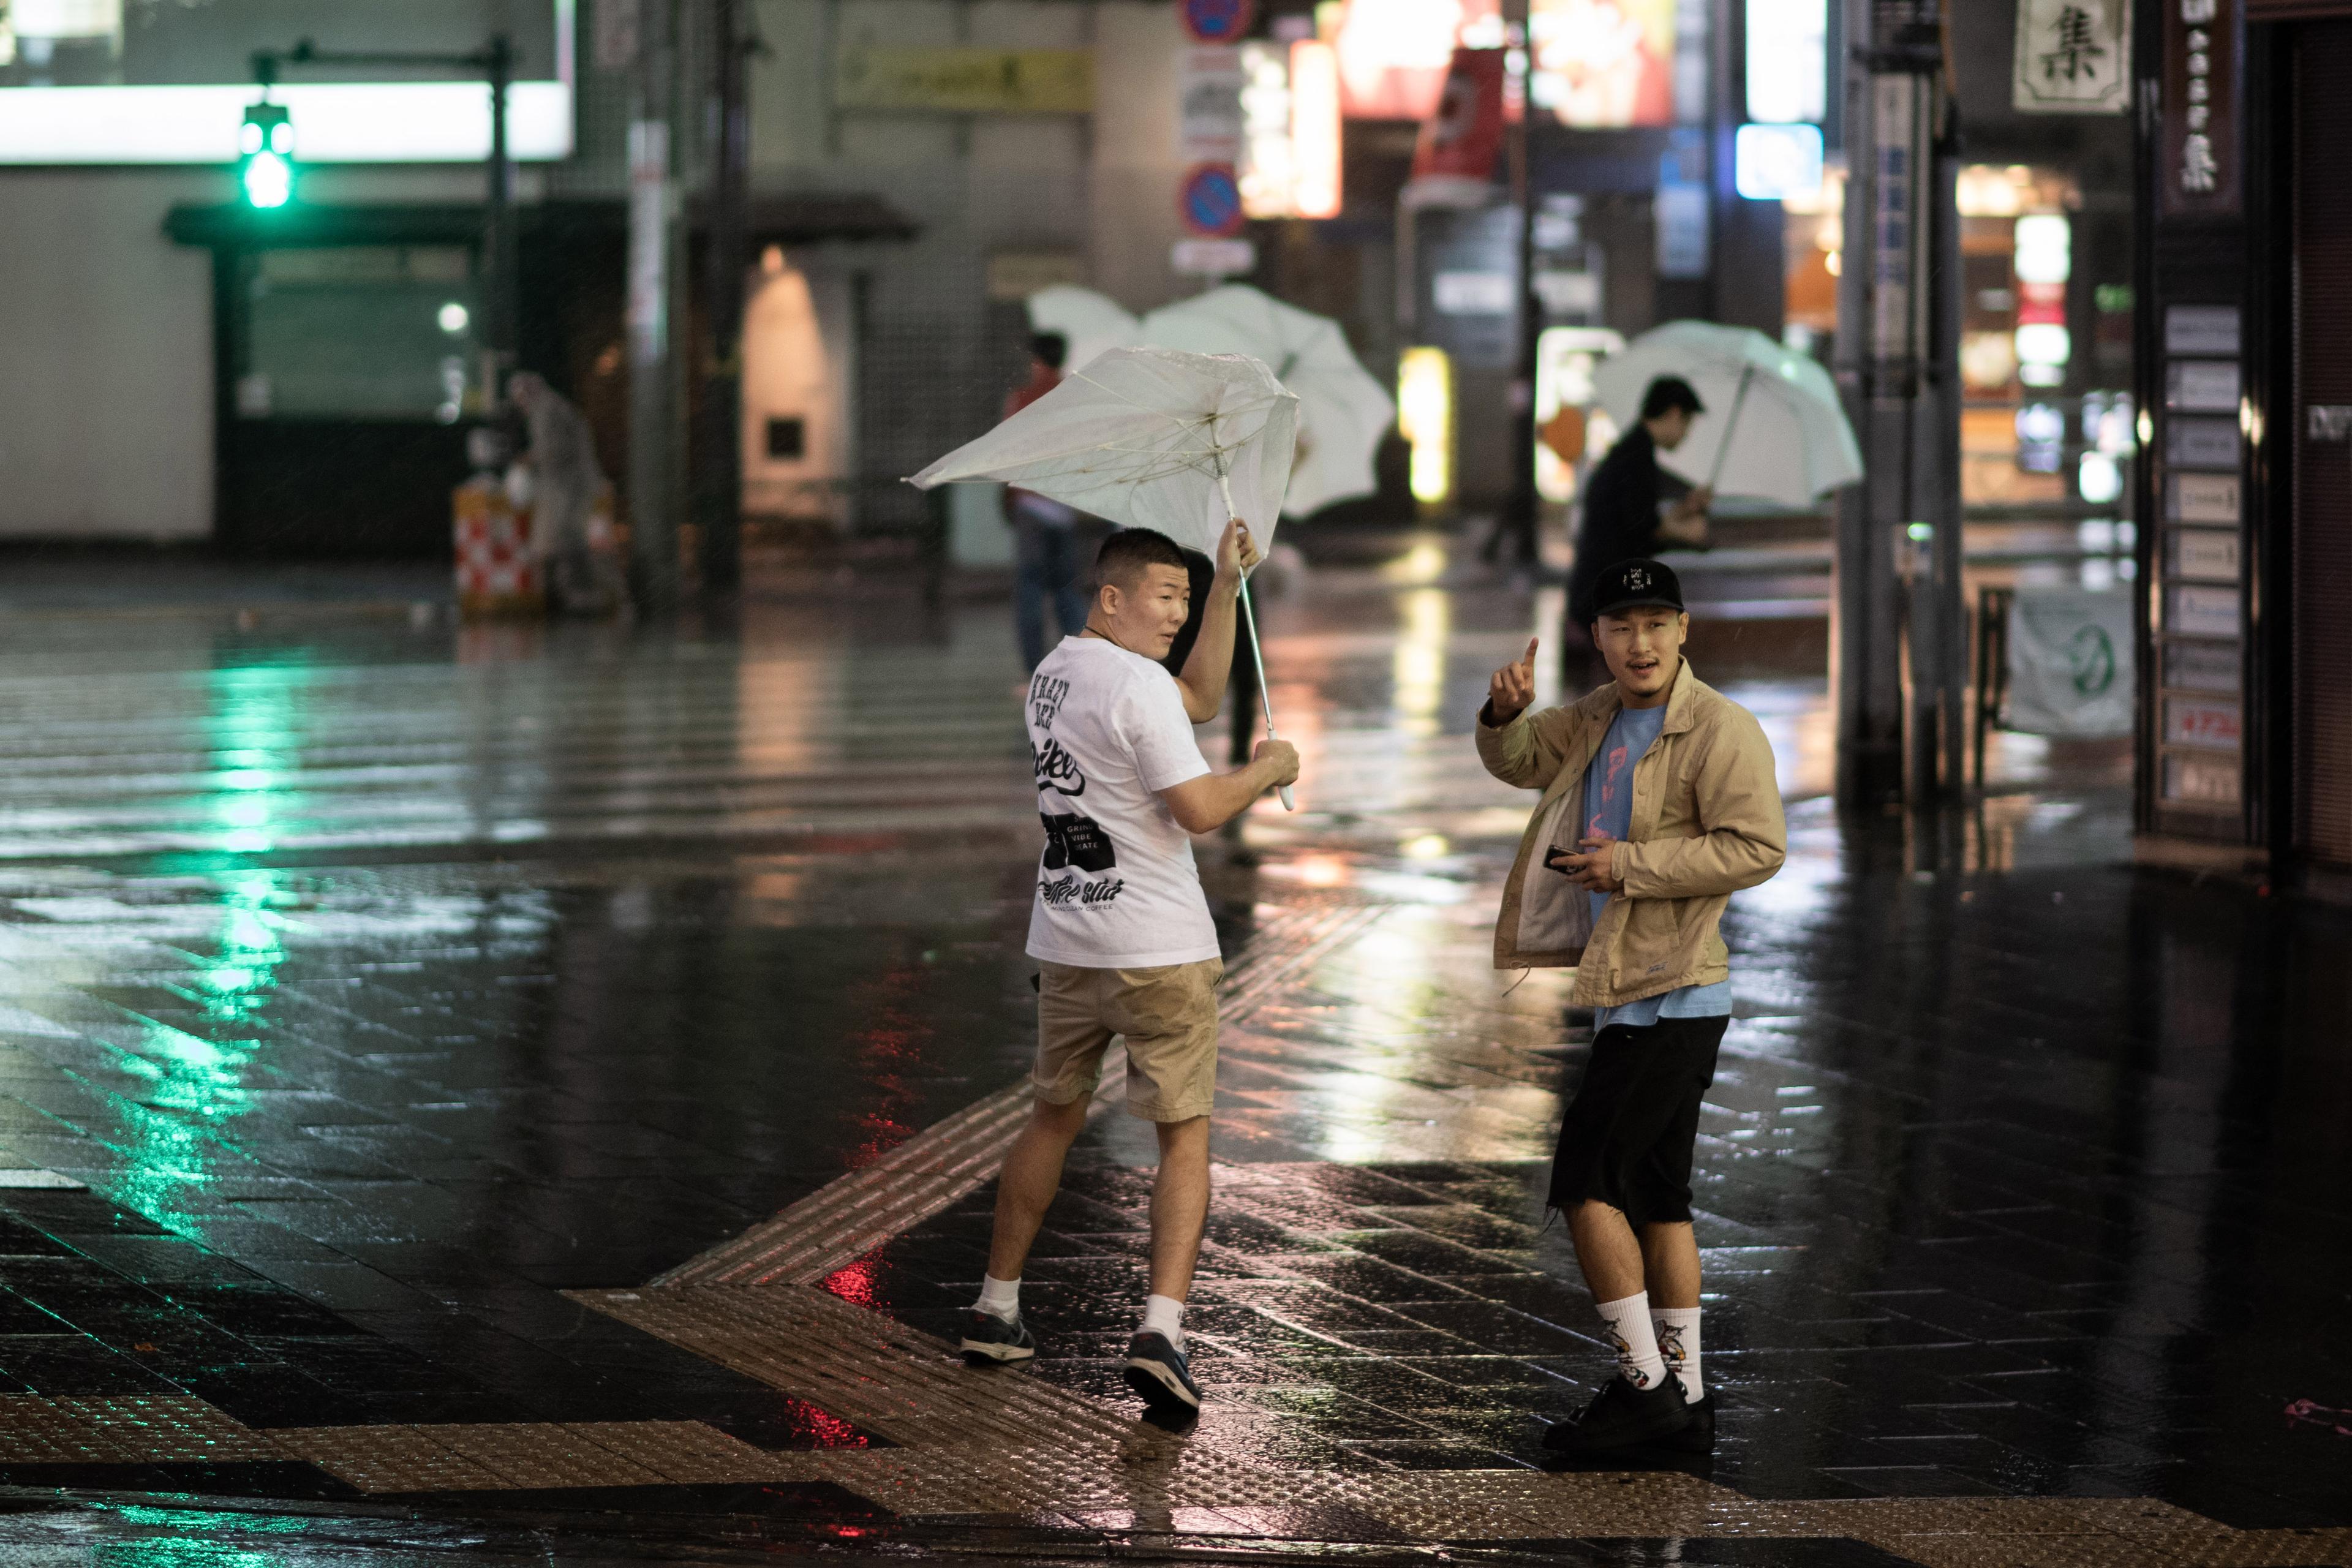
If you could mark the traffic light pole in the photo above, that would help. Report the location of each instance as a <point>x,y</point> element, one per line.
<point>500,337</point>
<point>501,289</point>
<point>1515,535</point>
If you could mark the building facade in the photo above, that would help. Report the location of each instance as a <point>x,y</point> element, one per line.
<point>2246,209</point>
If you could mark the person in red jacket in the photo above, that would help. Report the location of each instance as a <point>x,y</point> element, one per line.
<point>1043,530</point>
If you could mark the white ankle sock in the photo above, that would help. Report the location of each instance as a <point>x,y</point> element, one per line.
<point>1638,1361</point>
<point>1000,1297</point>
<point>1677,1333</point>
<point>1165,1315</point>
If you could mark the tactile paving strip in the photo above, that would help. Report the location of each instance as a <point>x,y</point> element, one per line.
<point>997,1443</point>
<point>888,1379</point>
<point>122,1429</point>
<point>854,1213</point>
<point>537,1456</point>
<point>994,1444</point>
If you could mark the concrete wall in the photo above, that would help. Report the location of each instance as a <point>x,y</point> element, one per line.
<point>1135,164</point>
<point>936,354</point>
<point>106,381</point>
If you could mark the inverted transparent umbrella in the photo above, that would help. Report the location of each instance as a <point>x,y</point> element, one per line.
<point>1154,439</point>
<point>1773,428</point>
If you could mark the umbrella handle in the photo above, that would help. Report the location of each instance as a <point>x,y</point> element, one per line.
<point>1249,620</point>
<point>1731,426</point>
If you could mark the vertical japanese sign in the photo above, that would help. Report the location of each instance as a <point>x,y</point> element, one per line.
<point>649,197</point>
<point>2074,56</point>
<point>1899,304</point>
<point>2200,174</point>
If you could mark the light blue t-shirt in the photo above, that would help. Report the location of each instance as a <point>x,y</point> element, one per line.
<point>1608,809</point>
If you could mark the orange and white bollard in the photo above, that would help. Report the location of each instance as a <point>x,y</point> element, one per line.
<point>498,569</point>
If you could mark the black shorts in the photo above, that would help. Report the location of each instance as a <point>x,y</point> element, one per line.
<point>1627,1137</point>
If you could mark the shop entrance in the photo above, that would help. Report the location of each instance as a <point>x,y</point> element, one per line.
<point>2322,434</point>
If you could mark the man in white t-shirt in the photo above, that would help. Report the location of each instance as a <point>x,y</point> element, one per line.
<point>1120,928</point>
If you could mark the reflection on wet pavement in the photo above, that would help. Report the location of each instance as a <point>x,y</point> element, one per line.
<point>368,986</point>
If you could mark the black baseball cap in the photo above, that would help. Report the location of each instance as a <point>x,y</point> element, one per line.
<point>1637,585</point>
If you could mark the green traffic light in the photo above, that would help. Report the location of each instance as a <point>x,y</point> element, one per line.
<point>268,180</point>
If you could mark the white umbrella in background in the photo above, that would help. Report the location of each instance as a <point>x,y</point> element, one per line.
<point>1773,427</point>
<point>1092,324</point>
<point>1154,439</point>
<point>1343,411</point>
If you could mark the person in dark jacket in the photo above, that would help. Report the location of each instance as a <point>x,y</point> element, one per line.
<point>1622,517</point>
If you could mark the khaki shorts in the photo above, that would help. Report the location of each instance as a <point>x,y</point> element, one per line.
<point>1169,1015</point>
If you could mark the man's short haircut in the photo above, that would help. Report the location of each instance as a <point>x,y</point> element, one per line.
<point>1125,554</point>
<point>1052,348</point>
<point>1669,392</point>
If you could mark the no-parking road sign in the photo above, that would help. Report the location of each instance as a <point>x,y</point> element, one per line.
<point>1218,21</point>
<point>1210,200</point>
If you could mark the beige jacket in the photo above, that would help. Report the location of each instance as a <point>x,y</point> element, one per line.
<point>1707,822</point>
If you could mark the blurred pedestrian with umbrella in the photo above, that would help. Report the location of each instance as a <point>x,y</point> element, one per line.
<point>1779,431</point>
<point>1774,430</point>
<point>1623,519</point>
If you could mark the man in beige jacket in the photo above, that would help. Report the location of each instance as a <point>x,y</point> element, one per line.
<point>1659,803</point>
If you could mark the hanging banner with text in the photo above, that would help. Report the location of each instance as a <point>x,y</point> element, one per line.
<point>2074,56</point>
<point>2199,175</point>
<point>965,81</point>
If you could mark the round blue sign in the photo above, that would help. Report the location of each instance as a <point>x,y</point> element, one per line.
<point>1210,200</point>
<point>1217,21</point>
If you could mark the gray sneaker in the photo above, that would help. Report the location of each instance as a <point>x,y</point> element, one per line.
<point>1156,1370</point>
<point>992,1340</point>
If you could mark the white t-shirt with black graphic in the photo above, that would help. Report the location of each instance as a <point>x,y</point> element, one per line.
<point>1117,887</point>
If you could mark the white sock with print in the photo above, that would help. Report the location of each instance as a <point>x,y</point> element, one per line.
<point>1677,1331</point>
<point>999,1297</point>
<point>1638,1361</point>
<point>1165,1315</point>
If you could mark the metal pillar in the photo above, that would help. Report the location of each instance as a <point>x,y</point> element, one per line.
<point>501,265</point>
<point>1939,646</point>
<point>656,451</point>
<point>719,507</point>
<point>1898,365</point>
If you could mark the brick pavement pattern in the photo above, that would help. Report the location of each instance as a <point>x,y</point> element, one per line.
<point>378,1008</point>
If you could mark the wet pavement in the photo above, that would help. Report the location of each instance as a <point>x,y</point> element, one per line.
<point>465,1088</point>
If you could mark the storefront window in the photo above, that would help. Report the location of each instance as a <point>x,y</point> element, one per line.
<point>359,332</point>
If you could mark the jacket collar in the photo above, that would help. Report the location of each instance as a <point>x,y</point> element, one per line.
<point>1605,702</point>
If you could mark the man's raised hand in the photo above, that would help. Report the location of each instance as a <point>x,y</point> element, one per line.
<point>1513,688</point>
<point>1236,552</point>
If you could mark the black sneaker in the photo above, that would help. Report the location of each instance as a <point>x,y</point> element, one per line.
<point>1156,1370</point>
<point>1623,1417</point>
<point>1698,1438</point>
<point>992,1340</point>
